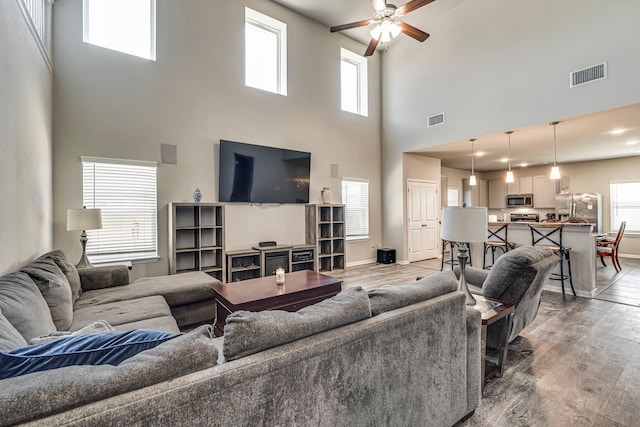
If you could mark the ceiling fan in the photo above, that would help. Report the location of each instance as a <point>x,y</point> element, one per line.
<point>387,17</point>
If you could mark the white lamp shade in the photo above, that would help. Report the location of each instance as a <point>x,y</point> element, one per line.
<point>472,180</point>
<point>460,224</point>
<point>84,219</point>
<point>509,177</point>
<point>555,172</point>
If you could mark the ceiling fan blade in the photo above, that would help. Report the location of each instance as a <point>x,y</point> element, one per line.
<point>379,4</point>
<point>412,31</point>
<point>351,25</point>
<point>372,46</point>
<point>413,5</point>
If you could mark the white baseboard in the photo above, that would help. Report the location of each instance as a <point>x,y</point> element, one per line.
<point>363,262</point>
<point>629,256</point>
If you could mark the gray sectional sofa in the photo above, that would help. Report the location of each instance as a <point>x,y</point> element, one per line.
<point>402,356</point>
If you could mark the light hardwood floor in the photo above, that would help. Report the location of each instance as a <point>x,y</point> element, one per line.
<point>577,364</point>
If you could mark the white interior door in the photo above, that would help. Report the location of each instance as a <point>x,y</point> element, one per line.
<point>422,209</point>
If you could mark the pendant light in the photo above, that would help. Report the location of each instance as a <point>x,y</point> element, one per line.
<point>472,178</point>
<point>555,170</point>
<point>509,178</point>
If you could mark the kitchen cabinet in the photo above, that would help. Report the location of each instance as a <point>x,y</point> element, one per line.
<point>522,185</point>
<point>545,190</point>
<point>476,195</point>
<point>497,194</point>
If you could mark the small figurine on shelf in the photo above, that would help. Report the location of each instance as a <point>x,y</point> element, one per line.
<point>197,195</point>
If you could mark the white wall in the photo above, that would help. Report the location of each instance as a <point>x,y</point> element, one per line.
<point>493,65</point>
<point>114,105</point>
<point>25,143</point>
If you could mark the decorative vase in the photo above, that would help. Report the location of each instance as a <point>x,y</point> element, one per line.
<point>197,195</point>
<point>326,195</point>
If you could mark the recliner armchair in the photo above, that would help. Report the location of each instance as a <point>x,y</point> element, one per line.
<point>518,278</point>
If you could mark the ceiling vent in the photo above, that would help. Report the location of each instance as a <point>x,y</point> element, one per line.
<point>588,75</point>
<point>436,120</point>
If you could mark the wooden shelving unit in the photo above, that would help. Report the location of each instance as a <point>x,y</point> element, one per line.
<point>243,265</point>
<point>196,238</point>
<point>325,229</point>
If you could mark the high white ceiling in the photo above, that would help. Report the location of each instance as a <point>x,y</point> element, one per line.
<point>582,138</point>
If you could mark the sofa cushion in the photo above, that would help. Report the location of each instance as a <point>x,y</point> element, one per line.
<point>121,312</point>
<point>39,394</point>
<point>55,289</point>
<point>162,323</point>
<point>177,289</point>
<point>69,271</point>
<point>24,306</point>
<point>390,297</point>
<point>248,332</point>
<point>107,348</point>
<point>10,338</point>
<point>92,328</point>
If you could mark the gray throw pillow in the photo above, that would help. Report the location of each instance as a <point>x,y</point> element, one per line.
<point>249,332</point>
<point>10,338</point>
<point>55,289</point>
<point>69,271</point>
<point>23,305</point>
<point>390,297</point>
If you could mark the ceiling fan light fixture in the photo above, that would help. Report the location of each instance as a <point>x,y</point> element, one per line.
<point>395,30</point>
<point>375,32</point>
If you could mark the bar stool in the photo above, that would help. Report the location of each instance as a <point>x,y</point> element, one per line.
<point>500,237</point>
<point>546,235</point>
<point>452,261</point>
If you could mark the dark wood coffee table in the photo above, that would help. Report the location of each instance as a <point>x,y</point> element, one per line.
<point>301,288</point>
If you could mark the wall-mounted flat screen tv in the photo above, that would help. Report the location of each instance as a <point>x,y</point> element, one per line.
<point>258,174</point>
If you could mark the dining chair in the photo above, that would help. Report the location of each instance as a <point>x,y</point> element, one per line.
<point>609,248</point>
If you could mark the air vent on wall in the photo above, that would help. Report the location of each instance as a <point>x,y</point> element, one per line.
<point>588,75</point>
<point>436,120</point>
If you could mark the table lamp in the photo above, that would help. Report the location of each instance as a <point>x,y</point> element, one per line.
<point>84,219</point>
<point>463,225</point>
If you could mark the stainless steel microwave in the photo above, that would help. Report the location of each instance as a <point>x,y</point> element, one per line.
<point>520,201</point>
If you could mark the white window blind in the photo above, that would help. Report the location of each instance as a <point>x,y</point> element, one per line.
<point>355,197</point>
<point>126,193</point>
<point>625,206</point>
<point>265,52</point>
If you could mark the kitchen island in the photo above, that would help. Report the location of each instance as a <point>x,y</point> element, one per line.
<point>578,236</point>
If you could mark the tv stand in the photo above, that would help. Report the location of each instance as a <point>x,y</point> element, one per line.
<point>252,263</point>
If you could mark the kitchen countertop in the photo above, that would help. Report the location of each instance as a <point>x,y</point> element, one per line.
<point>541,223</point>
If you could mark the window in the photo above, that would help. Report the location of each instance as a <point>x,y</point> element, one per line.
<point>625,206</point>
<point>355,197</point>
<point>353,83</point>
<point>37,13</point>
<point>452,196</point>
<point>126,193</point>
<point>127,26</point>
<point>265,53</point>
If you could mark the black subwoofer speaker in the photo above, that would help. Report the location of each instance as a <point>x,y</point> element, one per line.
<point>386,256</point>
